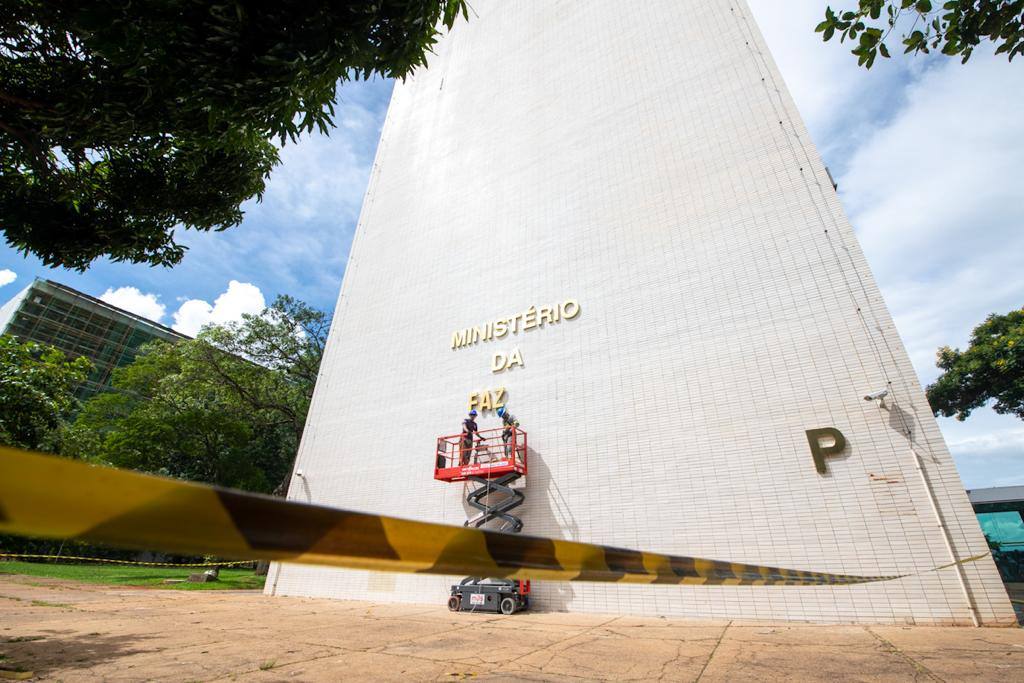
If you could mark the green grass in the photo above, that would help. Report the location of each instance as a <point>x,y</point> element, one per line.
<point>44,603</point>
<point>128,575</point>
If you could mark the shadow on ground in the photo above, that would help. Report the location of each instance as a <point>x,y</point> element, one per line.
<point>57,649</point>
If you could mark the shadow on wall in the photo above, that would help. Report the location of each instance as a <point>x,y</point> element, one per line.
<point>902,421</point>
<point>547,508</point>
<point>544,511</point>
<point>305,488</point>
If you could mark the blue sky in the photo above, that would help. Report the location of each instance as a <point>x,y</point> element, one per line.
<point>295,241</point>
<point>926,152</point>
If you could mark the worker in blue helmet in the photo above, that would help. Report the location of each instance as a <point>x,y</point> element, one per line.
<point>469,430</point>
<point>511,424</point>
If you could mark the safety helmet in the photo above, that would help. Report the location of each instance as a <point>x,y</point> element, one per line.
<point>501,411</point>
<point>473,412</point>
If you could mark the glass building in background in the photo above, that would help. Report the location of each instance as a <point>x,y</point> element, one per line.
<point>999,511</point>
<point>50,313</point>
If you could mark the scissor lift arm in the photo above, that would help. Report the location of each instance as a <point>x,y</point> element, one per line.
<point>483,498</point>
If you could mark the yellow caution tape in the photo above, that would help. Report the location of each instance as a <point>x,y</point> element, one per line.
<point>58,498</point>
<point>31,556</point>
<point>964,561</point>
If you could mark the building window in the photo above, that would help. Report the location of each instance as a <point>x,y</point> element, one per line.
<point>1004,528</point>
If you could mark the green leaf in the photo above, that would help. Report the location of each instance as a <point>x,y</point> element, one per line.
<point>183,99</point>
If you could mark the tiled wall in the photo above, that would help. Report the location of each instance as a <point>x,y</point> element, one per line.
<point>647,161</point>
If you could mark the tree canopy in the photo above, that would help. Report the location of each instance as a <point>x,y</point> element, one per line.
<point>954,28</point>
<point>992,368</point>
<point>37,392</point>
<point>287,339</point>
<point>226,408</point>
<point>121,120</point>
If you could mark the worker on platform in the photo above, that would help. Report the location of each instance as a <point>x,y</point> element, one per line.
<point>469,430</point>
<point>510,423</point>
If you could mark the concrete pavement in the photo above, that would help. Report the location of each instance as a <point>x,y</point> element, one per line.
<point>75,632</point>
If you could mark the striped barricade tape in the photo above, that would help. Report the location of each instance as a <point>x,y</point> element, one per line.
<point>77,558</point>
<point>54,497</point>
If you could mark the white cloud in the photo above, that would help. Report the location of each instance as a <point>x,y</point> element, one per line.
<point>318,176</point>
<point>838,100</point>
<point>931,312</point>
<point>134,301</point>
<point>1006,441</point>
<point>302,229</point>
<point>820,76</point>
<point>240,297</point>
<point>942,174</point>
<point>7,276</point>
<point>988,448</point>
<point>935,196</point>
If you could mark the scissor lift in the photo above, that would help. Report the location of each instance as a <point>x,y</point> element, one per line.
<point>491,465</point>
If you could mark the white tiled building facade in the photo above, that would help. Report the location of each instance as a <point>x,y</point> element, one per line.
<point>647,161</point>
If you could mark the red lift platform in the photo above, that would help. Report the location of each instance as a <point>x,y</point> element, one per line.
<point>491,464</point>
<point>489,458</point>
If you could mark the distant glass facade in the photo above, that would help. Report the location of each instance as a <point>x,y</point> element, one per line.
<point>1005,528</point>
<point>80,325</point>
<point>1000,513</point>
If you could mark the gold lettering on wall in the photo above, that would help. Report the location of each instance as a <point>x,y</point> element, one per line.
<point>825,442</point>
<point>532,318</point>
<point>501,361</point>
<point>488,399</point>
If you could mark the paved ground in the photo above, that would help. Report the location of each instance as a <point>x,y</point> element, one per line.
<point>71,632</point>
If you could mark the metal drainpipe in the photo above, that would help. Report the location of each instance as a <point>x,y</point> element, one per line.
<point>945,538</point>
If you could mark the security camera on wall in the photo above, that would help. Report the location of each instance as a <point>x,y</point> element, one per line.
<point>877,396</point>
